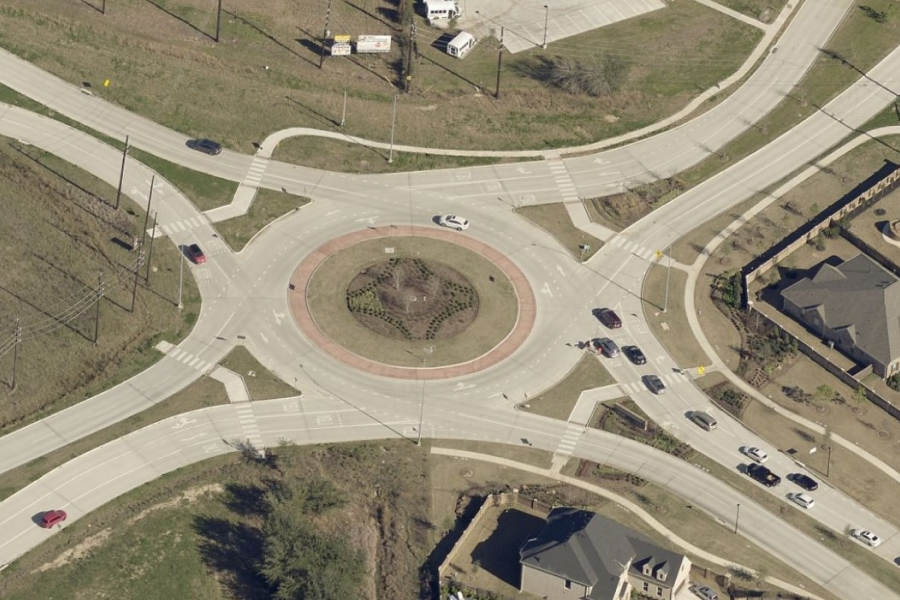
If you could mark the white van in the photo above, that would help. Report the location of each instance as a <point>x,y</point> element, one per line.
<point>436,10</point>
<point>461,45</point>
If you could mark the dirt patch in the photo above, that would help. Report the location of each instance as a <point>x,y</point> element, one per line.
<point>79,551</point>
<point>190,495</point>
<point>413,299</point>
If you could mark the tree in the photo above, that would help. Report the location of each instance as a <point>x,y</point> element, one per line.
<point>598,77</point>
<point>859,394</point>
<point>824,393</point>
<point>299,561</point>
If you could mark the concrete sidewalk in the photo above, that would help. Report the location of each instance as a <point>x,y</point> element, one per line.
<point>235,386</point>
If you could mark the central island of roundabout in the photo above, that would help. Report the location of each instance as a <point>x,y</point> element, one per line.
<point>412,302</point>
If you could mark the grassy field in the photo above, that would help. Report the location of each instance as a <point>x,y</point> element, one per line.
<point>224,90</point>
<point>558,401</point>
<point>268,206</point>
<point>196,533</point>
<point>497,308</point>
<point>671,327</point>
<point>859,40</point>
<point>555,220</point>
<point>59,233</point>
<point>262,384</point>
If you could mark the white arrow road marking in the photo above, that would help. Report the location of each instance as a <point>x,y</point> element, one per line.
<point>523,171</point>
<point>463,386</point>
<point>369,220</point>
<point>193,437</point>
<point>546,290</point>
<point>278,316</point>
<point>264,338</point>
<point>332,212</point>
<point>600,161</point>
<point>560,270</point>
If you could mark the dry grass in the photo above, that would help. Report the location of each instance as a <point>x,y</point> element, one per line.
<point>54,246</point>
<point>261,383</point>
<point>268,206</point>
<point>223,91</point>
<point>558,401</point>
<point>671,327</point>
<point>205,191</point>
<point>497,313</point>
<point>555,220</point>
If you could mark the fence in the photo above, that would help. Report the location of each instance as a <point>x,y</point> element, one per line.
<point>491,501</point>
<point>823,361</point>
<point>881,182</point>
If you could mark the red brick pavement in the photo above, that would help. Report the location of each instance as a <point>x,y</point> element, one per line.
<point>303,318</point>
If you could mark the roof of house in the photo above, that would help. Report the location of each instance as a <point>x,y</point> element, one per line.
<point>592,550</point>
<point>858,298</point>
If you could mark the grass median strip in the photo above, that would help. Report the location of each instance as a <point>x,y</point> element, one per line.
<point>268,206</point>
<point>205,191</point>
<point>555,220</point>
<point>558,401</point>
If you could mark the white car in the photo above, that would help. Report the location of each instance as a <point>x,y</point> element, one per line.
<point>704,592</point>
<point>756,454</point>
<point>866,537</point>
<point>804,500</point>
<point>455,221</point>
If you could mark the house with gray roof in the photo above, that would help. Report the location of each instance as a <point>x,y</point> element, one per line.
<point>580,555</point>
<point>855,305</point>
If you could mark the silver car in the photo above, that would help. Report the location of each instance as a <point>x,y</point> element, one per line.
<point>606,346</point>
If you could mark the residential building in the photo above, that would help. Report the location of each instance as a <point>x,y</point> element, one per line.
<point>855,306</point>
<point>580,555</point>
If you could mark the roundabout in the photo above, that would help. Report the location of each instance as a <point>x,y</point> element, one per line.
<point>411,302</point>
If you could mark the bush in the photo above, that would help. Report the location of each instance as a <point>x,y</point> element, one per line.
<point>598,77</point>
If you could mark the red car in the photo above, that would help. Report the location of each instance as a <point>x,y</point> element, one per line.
<point>196,254</point>
<point>53,517</point>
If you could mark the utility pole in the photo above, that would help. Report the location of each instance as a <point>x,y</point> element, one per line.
<point>546,22</point>
<point>147,215</point>
<point>122,173</point>
<point>103,8</point>
<point>409,54</point>
<point>137,270</point>
<point>97,313</point>
<point>737,518</point>
<point>218,21</point>
<point>499,63</point>
<point>16,353</point>
<point>150,251</point>
<point>344,111</point>
<point>393,126</point>
<point>325,35</point>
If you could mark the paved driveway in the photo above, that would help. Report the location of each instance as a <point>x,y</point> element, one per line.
<point>524,21</point>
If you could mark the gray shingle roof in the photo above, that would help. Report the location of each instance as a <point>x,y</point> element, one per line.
<point>859,299</point>
<point>593,550</point>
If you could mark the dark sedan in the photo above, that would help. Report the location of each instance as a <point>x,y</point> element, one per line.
<point>805,481</point>
<point>608,317</point>
<point>635,355</point>
<point>206,146</point>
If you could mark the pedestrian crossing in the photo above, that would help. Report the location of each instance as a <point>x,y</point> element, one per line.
<point>178,226</point>
<point>569,439</point>
<point>181,356</point>
<point>564,182</point>
<point>634,248</point>
<point>256,171</point>
<point>249,426</point>
<point>636,387</point>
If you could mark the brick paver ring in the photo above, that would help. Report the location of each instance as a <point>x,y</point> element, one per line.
<point>304,319</point>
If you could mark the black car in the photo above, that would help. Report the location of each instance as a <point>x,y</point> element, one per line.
<point>205,146</point>
<point>763,475</point>
<point>635,355</point>
<point>608,317</point>
<point>805,481</point>
<point>654,384</point>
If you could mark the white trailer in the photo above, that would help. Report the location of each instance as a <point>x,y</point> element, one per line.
<point>461,44</point>
<point>436,10</point>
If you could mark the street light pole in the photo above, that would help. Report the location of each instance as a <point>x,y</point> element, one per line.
<point>737,518</point>
<point>344,111</point>
<point>428,351</point>
<point>393,126</point>
<point>122,173</point>
<point>180,281</point>
<point>668,273</point>
<point>546,22</point>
